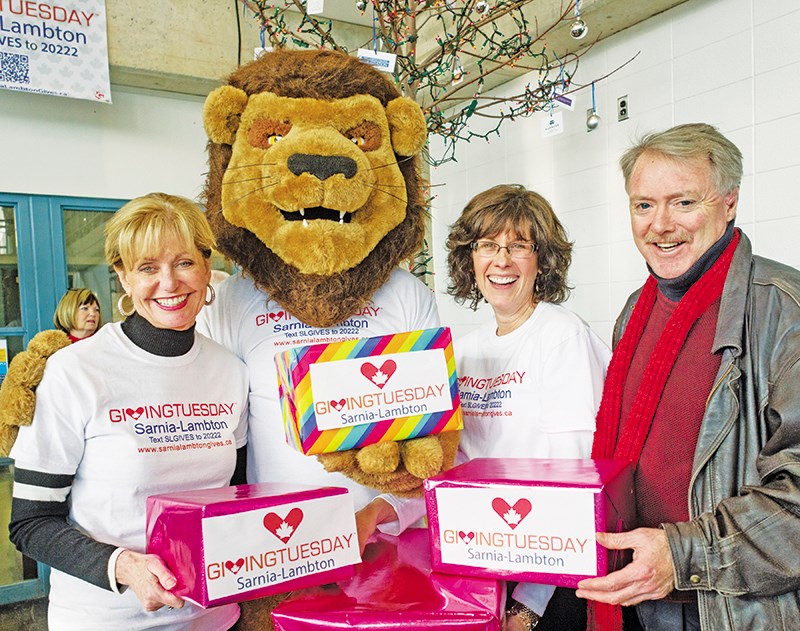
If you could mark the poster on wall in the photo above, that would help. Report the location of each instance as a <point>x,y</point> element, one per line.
<point>3,359</point>
<point>58,48</point>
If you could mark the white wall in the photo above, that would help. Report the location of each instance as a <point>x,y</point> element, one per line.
<point>143,142</point>
<point>732,63</point>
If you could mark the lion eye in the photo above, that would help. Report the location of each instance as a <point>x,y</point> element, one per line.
<point>366,136</point>
<point>265,132</point>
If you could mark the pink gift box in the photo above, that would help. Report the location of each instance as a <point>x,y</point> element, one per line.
<point>243,542</point>
<point>529,520</point>
<point>394,589</point>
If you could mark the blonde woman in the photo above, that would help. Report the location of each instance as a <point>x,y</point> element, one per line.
<point>99,444</point>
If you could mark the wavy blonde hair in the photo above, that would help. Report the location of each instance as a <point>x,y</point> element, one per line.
<point>139,228</point>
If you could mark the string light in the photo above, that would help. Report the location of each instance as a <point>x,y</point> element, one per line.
<point>468,45</point>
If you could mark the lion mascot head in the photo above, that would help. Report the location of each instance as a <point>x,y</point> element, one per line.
<point>313,187</point>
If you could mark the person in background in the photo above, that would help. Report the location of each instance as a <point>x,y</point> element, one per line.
<point>509,249</point>
<point>78,314</point>
<point>96,448</point>
<point>702,397</point>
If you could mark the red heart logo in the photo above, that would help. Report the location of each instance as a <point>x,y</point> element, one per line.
<point>283,527</point>
<point>134,414</point>
<point>338,405</point>
<point>512,515</point>
<point>466,537</point>
<point>379,376</point>
<point>234,567</point>
<point>276,316</point>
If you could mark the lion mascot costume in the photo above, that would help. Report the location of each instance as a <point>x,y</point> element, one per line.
<point>313,191</point>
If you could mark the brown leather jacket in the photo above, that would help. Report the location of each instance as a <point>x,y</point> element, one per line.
<point>741,549</point>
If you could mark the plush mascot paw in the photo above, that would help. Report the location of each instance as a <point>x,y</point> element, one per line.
<point>396,467</point>
<point>17,394</point>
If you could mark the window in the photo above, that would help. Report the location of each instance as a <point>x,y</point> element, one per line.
<point>47,245</point>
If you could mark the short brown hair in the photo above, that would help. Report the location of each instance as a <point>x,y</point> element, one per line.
<point>513,207</point>
<point>138,228</point>
<point>686,142</point>
<point>74,299</point>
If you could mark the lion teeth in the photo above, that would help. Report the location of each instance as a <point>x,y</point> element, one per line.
<point>302,212</point>
<point>342,213</point>
<point>305,222</point>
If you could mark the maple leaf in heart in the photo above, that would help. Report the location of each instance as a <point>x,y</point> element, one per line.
<point>512,517</point>
<point>284,531</point>
<point>379,378</point>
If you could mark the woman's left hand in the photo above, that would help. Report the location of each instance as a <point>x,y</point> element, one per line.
<point>149,578</point>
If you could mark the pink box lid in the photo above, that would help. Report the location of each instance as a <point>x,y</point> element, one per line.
<point>567,472</point>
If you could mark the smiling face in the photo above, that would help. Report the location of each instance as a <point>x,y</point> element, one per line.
<point>168,289</point>
<point>676,212</point>
<point>87,318</point>
<point>506,283</point>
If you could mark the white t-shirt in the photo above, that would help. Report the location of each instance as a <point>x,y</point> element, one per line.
<point>129,424</point>
<point>533,393</point>
<point>255,328</point>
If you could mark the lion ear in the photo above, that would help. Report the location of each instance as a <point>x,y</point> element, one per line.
<point>221,113</point>
<point>407,125</point>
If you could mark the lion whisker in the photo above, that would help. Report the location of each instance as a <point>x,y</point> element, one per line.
<point>255,164</point>
<point>249,179</point>
<point>255,190</point>
<point>391,164</point>
<point>390,194</point>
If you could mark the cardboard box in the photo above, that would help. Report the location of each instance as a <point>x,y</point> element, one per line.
<point>243,542</point>
<point>349,394</point>
<point>394,589</point>
<point>530,520</point>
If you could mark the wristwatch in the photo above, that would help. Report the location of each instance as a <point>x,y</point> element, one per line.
<point>526,613</point>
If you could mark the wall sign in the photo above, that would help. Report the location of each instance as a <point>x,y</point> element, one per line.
<point>58,48</point>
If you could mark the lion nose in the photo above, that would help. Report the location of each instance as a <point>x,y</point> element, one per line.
<point>321,167</point>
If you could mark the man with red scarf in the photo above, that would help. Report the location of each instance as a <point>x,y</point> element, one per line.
<point>703,397</point>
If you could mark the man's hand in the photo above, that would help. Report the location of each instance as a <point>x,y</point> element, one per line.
<point>649,576</point>
<point>378,511</point>
<point>149,578</point>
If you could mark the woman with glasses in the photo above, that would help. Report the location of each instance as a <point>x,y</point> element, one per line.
<point>532,378</point>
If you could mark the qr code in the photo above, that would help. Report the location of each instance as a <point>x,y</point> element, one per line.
<point>14,68</point>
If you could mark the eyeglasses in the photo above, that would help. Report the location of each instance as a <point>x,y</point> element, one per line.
<point>516,250</point>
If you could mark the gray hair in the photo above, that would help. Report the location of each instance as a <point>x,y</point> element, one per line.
<point>685,142</point>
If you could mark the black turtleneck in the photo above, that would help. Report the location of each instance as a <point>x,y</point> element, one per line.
<point>675,288</point>
<point>161,342</point>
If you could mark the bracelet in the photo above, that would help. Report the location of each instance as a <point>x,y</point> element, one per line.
<point>526,613</point>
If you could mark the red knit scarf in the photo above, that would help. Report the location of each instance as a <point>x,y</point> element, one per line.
<point>701,295</point>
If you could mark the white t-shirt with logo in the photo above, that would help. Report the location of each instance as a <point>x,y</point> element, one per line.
<point>129,424</point>
<point>532,393</point>
<point>255,328</point>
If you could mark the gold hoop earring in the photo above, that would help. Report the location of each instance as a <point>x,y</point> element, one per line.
<point>121,306</point>
<point>210,301</point>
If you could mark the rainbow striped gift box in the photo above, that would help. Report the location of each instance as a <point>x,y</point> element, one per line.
<point>358,392</point>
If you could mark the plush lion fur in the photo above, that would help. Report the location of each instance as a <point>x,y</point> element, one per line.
<point>17,394</point>
<point>316,300</point>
